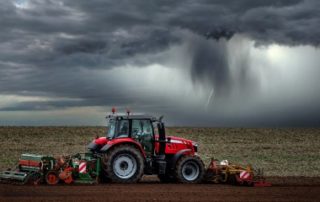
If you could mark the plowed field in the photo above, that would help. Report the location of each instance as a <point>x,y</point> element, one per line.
<point>283,189</point>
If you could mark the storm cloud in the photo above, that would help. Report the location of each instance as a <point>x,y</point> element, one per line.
<point>96,54</point>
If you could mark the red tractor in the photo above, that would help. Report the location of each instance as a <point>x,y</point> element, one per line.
<point>137,144</point>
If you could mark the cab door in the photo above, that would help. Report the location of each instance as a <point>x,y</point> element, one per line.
<point>142,132</point>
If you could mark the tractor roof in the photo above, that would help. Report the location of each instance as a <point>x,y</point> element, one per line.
<point>125,116</point>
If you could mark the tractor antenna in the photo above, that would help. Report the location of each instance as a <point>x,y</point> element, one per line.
<point>113,110</point>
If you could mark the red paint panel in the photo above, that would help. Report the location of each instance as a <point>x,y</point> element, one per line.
<point>101,141</point>
<point>176,144</point>
<point>29,163</point>
<point>117,141</point>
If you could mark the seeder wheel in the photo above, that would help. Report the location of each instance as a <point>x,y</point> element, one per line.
<point>52,178</point>
<point>68,180</point>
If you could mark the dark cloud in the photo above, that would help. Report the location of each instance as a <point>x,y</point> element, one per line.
<point>210,62</point>
<point>47,47</point>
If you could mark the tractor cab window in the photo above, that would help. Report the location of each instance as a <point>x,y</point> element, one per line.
<point>123,129</point>
<point>118,129</point>
<point>142,132</point>
<point>111,129</point>
<point>155,126</point>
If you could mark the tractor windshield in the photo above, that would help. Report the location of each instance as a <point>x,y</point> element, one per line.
<point>111,129</point>
<point>118,129</point>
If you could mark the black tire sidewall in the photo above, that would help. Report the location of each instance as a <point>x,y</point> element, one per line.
<point>128,150</point>
<point>114,157</point>
<point>186,159</point>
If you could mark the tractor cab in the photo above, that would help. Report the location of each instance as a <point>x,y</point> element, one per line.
<point>139,128</point>
<point>137,144</point>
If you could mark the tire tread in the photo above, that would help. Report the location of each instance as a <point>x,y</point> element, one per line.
<point>107,167</point>
<point>178,169</point>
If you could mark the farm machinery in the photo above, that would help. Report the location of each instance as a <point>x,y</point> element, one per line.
<point>37,169</point>
<point>134,145</point>
<point>225,172</point>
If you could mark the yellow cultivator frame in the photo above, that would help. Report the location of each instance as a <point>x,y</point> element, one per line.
<point>224,172</point>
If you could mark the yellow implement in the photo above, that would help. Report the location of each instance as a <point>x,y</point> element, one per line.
<point>225,172</point>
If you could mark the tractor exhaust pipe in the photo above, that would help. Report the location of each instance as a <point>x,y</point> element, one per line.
<point>161,162</point>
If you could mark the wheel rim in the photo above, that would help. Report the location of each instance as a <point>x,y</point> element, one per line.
<point>125,166</point>
<point>52,179</point>
<point>190,171</point>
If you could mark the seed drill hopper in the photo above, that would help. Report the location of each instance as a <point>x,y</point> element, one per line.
<point>31,168</point>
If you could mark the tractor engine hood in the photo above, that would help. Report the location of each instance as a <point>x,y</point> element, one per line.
<point>175,144</point>
<point>178,140</point>
<point>188,143</point>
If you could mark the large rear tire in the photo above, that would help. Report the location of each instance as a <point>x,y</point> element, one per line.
<point>190,169</point>
<point>123,164</point>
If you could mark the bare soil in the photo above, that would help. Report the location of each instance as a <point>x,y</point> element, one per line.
<point>149,189</point>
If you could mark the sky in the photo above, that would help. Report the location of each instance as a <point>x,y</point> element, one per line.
<point>213,63</point>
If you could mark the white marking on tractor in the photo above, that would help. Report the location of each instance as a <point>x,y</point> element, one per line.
<point>176,141</point>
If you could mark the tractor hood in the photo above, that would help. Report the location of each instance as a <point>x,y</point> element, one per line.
<point>177,144</point>
<point>178,140</point>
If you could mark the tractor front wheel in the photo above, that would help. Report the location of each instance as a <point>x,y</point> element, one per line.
<point>123,164</point>
<point>190,169</point>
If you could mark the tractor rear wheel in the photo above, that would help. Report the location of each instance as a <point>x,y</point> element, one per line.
<point>190,169</point>
<point>123,164</point>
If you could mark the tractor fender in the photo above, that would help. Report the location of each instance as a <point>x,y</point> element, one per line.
<point>177,156</point>
<point>107,147</point>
